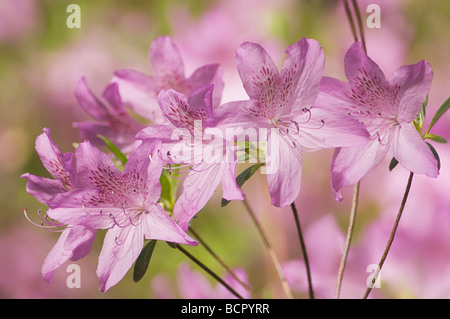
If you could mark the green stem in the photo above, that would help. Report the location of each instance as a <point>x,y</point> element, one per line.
<point>350,20</point>
<point>348,240</point>
<point>303,247</point>
<point>208,270</point>
<point>360,24</point>
<point>270,250</point>
<point>391,237</point>
<point>224,265</point>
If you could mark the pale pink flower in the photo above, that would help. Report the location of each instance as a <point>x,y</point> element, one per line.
<point>281,101</point>
<point>140,91</point>
<point>387,108</point>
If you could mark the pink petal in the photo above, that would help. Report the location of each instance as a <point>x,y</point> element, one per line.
<point>80,207</point>
<point>43,188</point>
<point>157,224</point>
<point>414,83</point>
<point>74,243</point>
<point>238,114</point>
<point>120,249</point>
<point>358,64</point>
<point>91,164</point>
<point>320,128</point>
<point>211,73</point>
<point>411,151</point>
<point>257,70</point>
<point>350,164</point>
<point>332,95</point>
<point>139,91</point>
<point>284,182</point>
<point>144,172</point>
<point>230,188</point>
<point>112,95</point>
<point>197,189</point>
<point>302,72</point>
<point>175,107</point>
<point>89,102</point>
<point>200,100</point>
<point>166,60</point>
<point>57,164</point>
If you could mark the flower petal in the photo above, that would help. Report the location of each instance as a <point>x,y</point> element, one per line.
<point>93,166</point>
<point>144,172</point>
<point>358,64</point>
<point>257,70</point>
<point>210,73</point>
<point>302,72</point>
<point>197,189</point>
<point>331,95</point>
<point>411,151</point>
<point>320,128</point>
<point>157,224</point>
<point>120,249</point>
<point>200,101</point>
<point>57,164</point>
<point>166,60</point>
<point>231,190</point>
<point>74,243</point>
<point>350,164</point>
<point>89,102</point>
<point>414,83</point>
<point>43,188</point>
<point>139,92</point>
<point>286,171</point>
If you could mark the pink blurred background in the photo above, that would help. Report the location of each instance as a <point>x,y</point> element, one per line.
<point>41,59</point>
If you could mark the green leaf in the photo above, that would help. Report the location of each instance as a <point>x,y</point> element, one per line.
<point>436,138</point>
<point>444,107</point>
<point>436,155</point>
<point>420,120</point>
<point>142,262</point>
<point>392,164</point>
<point>113,148</point>
<point>168,190</point>
<point>242,178</point>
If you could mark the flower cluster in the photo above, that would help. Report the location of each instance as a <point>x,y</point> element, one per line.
<point>171,123</point>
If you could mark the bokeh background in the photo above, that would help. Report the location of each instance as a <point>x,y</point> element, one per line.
<point>41,59</point>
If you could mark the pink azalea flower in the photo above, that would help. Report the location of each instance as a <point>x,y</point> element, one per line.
<point>140,91</point>
<point>387,108</point>
<point>125,203</point>
<point>205,173</point>
<point>111,121</point>
<point>58,164</point>
<point>281,101</point>
<point>74,242</point>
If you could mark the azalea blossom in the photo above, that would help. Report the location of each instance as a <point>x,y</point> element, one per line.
<point>281,101</point>
<point>74,242</point>
<point>387,108</point>
<point>140,91</point>
<point>112,121</point>
<point>125,203</point>
<point>206,171</point>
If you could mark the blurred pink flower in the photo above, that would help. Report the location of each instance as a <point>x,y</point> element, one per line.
<point>111,121</point>
<point>17,19</point>
<point>140,91</point>
<point>325,243</point>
